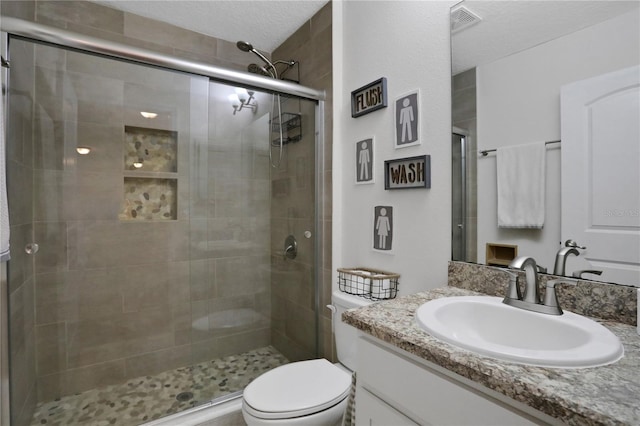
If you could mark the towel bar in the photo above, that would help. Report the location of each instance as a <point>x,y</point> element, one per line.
<point>485,152</point>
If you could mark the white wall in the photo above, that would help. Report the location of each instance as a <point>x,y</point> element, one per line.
<point>408,43</point>
<point>519,102</point>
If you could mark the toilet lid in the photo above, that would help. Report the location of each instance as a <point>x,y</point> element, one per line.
<point>297,389</point>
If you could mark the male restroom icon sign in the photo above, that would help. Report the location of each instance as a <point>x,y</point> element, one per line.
<point>407,120</point>
<point>364,161</point>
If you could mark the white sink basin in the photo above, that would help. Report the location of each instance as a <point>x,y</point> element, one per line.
<point>487,326</point>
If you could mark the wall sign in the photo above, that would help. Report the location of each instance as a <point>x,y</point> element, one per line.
<point>383,228</point>
<point>411,172</point>
<point>407,119</point>
<point>364,161</point>
<point>369,98</point>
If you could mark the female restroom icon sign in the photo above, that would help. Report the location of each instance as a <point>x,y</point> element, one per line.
<point>383,228</point>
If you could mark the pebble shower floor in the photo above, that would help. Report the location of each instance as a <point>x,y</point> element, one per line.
<point>148,398</point>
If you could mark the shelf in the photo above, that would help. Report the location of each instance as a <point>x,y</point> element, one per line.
<point>291,128</point>
<point>290,121</point>
<point>501,254</point>
<point>149,175</point>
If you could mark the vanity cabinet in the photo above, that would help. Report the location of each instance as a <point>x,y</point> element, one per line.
<point>395,387</point>
<point>370,411</point>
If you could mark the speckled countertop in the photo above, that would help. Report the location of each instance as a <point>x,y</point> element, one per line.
<point>587,396</point>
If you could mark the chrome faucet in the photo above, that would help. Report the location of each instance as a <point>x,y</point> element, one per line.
<point>570,247</point>
<point>528,265</point>
<point>530,299</point>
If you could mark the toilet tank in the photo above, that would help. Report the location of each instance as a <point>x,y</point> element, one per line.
<point>346,335</point>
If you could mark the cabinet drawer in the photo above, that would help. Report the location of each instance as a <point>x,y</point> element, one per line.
<point>426,395</point>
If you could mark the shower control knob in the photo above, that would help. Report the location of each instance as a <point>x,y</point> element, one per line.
<point>307,234</point>
<point>290,248</point>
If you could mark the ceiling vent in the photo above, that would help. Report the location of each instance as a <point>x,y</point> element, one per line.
<point>462,18</point>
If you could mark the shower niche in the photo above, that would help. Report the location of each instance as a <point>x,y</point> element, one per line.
<point>150,190</point>
<point>150,150</point>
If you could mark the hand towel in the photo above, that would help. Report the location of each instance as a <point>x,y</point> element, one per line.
<point>521,186</point>
<point>349,415</point>
<point>4,210</point>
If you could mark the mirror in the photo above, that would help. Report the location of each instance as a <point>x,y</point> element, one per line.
<point>507,71</point>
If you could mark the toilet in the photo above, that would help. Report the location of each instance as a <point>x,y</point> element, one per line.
<point>313,392</point>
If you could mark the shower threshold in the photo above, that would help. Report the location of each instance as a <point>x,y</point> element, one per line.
<point>148,398</point>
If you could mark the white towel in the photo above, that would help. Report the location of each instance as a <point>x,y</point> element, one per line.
<point>349,415</point>
<point>521,186</point>
<point>4,210</point>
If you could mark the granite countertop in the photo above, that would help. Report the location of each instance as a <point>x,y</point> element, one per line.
<point>585,396</point>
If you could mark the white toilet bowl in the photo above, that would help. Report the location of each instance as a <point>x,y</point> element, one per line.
<point>311,392</point>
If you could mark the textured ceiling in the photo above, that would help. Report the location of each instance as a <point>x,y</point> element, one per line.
<point>265,24</point>
<point>508,27</point>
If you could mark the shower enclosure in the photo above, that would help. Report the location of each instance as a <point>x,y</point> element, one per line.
<point>148,272</point>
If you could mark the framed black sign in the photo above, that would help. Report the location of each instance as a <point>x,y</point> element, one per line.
<point>369,98</point>
<point>410,172</point>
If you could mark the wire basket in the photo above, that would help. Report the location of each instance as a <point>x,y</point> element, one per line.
<point>370,283</point>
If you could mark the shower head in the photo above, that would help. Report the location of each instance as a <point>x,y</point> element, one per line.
<point>248,47</point>
<point>257,69</point>
<point>244,46</point>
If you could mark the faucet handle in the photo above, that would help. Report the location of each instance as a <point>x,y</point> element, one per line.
<point>550,297</point>
<point>578,274</point>
<point>513,291</point>
<point>572,243</point>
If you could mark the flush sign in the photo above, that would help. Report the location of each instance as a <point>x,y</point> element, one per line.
<point>369,98</point>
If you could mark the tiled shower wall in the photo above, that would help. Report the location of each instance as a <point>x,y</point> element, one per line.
<point>63,314</point>
<point>292,192</point>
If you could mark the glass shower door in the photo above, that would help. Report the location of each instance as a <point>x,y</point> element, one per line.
<point>100,179</point>
<point>160,214</point>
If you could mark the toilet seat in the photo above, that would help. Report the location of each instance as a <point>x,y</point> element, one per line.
<point>295,390</point>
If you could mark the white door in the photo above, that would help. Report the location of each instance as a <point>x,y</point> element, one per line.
<point>601,172</point>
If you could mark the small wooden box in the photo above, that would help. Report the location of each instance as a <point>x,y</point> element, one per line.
<point>501,254</point>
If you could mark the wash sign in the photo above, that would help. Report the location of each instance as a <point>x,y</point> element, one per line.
<point>413,172</point>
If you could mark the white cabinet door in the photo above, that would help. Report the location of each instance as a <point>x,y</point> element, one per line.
<point>373,411</point>
<point>418,393</point>
<point>601,172</point>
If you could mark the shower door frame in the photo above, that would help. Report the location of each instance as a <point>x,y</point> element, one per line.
<point>38,33</point>
<point>42,33</point>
